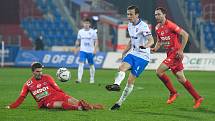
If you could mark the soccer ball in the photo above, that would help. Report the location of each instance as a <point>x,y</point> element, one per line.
<point>63,74</point>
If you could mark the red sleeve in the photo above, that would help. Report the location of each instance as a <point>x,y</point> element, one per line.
<point>174,27</point>
<point>54,84</point>
<point>21,98</point>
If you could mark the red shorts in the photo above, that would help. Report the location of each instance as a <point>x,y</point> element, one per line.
<point>174,63</point>
<point>56,97</point>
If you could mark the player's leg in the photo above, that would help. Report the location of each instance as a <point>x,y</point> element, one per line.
<point>126,64</point>
<point>84,104</point>
<point>62,104</point>
<point>188,86</point>
<point>127,90</point>
<point>92,67</point>
<point>119,78</point>
<point>73,100</point>
<point>167,82</point>
<point>82,59</point>
<point>138,67</point>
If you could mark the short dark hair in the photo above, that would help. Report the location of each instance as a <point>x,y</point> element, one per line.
<point>162,9</point>
<point>135,8</point>
<point>35,65</point>
<point>86,20</point>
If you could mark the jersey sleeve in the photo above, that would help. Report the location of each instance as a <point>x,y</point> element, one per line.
<point>21,98</point>
<point>174,27</point>
<point>146,30</point>
<point>79,36</point>
<point>54,84</point>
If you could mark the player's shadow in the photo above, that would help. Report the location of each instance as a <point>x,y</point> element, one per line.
<point>166,114</point>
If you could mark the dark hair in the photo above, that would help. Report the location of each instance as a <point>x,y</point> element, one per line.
<point>35,65</point>
<point>163,10</point>
<point>135,8</point>
<point>86,20</point>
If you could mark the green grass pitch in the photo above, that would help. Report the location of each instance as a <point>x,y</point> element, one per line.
<point>147,102</point>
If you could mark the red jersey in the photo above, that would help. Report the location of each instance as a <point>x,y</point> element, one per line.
<point>41,90</point>
<point>168,35</point>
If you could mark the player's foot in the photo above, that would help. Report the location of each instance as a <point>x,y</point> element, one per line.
<point>85,105</point>
<point>92,81</point>
<point>115,107</point>
<point>113,87</point>
<point>172,98</point>
<point>198,102</point>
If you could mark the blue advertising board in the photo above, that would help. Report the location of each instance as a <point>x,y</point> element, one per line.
<point>10,53</point>
<point>55,59</point>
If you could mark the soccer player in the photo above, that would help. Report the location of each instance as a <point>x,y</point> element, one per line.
<point>137,58</point>
<point>88,42</point>
<point>168,35</point>
<point>47,93</point>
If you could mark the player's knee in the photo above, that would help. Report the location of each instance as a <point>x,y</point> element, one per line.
<point>121,68</point>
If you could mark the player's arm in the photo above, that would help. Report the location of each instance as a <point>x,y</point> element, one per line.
<point>128,47</point>
<point>96,46</point>
<point>150,41</point>
<point>20,99</point>
<point>77,45</point>
<point>157,45</point>
<point>185,36</point>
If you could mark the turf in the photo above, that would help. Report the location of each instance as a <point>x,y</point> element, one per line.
<point>146,102</point>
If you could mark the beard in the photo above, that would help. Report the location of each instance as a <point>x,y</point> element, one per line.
<point>37,77</point>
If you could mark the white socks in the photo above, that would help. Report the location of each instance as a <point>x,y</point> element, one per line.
<point>119,78</point>
<point>92,73</point>
<point>80,71</point>
<point>127,90</point>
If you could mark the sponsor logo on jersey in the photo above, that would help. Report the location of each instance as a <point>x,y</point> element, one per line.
<point>165,38</point>
<point>37,91</point>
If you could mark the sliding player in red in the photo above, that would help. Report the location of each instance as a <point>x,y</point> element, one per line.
<point>47,93</point>
<point>168,35</point>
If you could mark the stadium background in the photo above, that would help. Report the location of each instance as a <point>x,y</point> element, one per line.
<point>23,21</point>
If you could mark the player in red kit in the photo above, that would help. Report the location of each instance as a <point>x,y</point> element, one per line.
<point>47,93</point>
<point>168,35</point>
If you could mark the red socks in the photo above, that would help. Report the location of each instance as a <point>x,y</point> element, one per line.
<point>191,90</point>
<point>165,79</point>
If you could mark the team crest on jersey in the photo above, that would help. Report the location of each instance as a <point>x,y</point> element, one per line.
<point>38,85</point>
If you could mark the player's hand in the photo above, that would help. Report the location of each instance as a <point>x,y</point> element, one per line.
<point>75,51</point>
<point>7,107</point>
<point>94,52</point>
<point>153,50</point>
<point>179,55</point>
